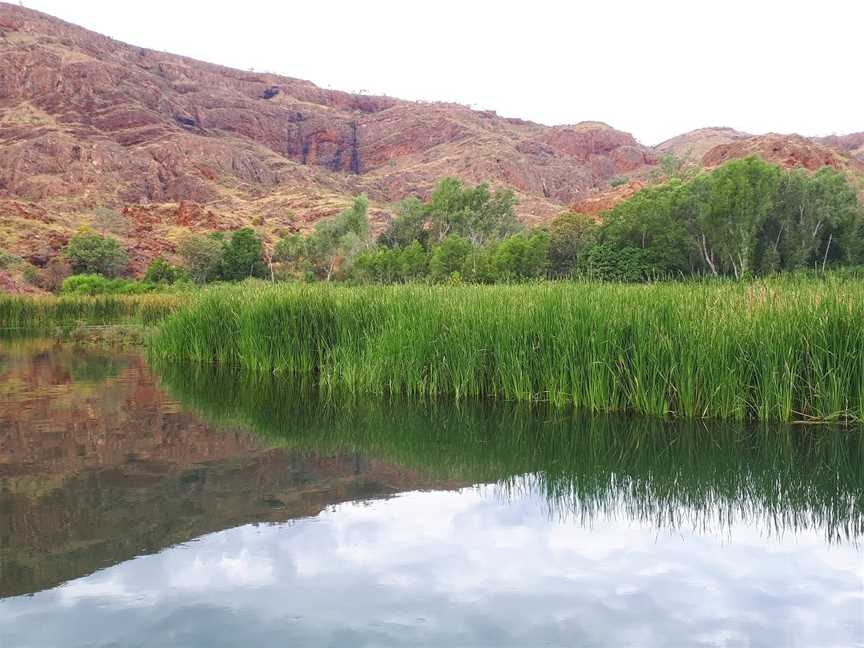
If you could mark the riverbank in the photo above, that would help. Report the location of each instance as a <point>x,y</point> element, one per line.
<point>788,349</point>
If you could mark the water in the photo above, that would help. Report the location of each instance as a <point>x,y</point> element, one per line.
<point>192,508</point>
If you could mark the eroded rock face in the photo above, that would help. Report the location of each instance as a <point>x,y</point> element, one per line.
<point>84,114</point>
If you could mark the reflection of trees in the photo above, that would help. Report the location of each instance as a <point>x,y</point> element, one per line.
<point>41,361</point>
<point>702,476</point>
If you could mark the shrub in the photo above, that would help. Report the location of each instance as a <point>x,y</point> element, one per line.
<point>93,284</point>
<point>92,253</point>
<point>54,273</point>
<point>160,271</point>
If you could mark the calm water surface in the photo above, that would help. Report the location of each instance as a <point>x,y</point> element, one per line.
<point>174,507</point>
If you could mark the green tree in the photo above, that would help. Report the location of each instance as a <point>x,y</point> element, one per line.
<point>656,221</point>
<point>473,213</point>
<point>408,226</point>
<point>448,257</point>
<point>570,235</point>
<point>521,257</point>
<point>202,256</point>
<point>161,271</point>
<point>334,244</point>
<point>816,220</point>
<point>734,202</point>
<point>242,256</point>
<point>92,253</point>
<point>413,262</point>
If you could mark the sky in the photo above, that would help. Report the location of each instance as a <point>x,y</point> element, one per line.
<point>655,69</point>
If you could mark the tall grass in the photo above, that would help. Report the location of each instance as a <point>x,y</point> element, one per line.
<point>785,349</point>
<point>41,314</point>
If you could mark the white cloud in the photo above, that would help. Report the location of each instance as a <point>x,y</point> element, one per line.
<point>461,568</point>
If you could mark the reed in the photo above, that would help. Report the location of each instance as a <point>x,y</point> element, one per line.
<point>26,314</point>
<point>788,349</point>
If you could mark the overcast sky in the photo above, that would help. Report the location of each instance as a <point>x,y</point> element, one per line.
<point>655,69</point>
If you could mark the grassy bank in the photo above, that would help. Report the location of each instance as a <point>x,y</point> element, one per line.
<point>25,314</point>
<point>785,349</point>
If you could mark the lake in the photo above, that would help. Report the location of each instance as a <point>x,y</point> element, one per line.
<point>173,506</point>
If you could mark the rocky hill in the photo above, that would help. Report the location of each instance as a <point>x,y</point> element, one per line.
<point>89,125</point>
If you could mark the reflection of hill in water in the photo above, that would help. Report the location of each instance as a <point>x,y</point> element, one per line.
<point>702,476</point>
<point>95,472</point>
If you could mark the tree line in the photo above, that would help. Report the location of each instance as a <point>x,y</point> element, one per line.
<point>746,217</point>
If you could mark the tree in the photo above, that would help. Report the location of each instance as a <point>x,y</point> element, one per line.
<point>413,262</point>
<point>333,244</point>
<point>655,221</point>
<point>51,277</point>
<point>521,257</point>
<point>474,214</point>
<point>202,256</point>
<point>92,253</point>
<point>448,257</point>
<point>242,256</point>
<point>109,220</point>
<point>570,235</point>
<point>737,200</point>
<point>161,271</point>
<point>408,226</point>
<point>817,219</point>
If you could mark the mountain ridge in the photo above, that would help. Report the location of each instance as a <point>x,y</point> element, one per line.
<point>171,143</point>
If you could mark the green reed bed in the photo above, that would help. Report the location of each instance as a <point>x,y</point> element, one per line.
<point>785,349</point>
<point>45,314</point>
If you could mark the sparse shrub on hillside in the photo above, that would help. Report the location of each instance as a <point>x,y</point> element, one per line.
<point>7,259</point>
<point>52,275</point>
<point>617,181</point>
<point>109,220</point>
<point>31,275</point>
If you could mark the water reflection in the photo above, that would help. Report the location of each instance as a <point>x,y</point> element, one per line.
<point>98,465</point>
<point>702,476</point>
<point>212,509</point>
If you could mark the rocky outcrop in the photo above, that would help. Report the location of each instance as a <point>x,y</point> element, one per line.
<point>695,144</point>
<point>853,143</point>
<point>785,150</point>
